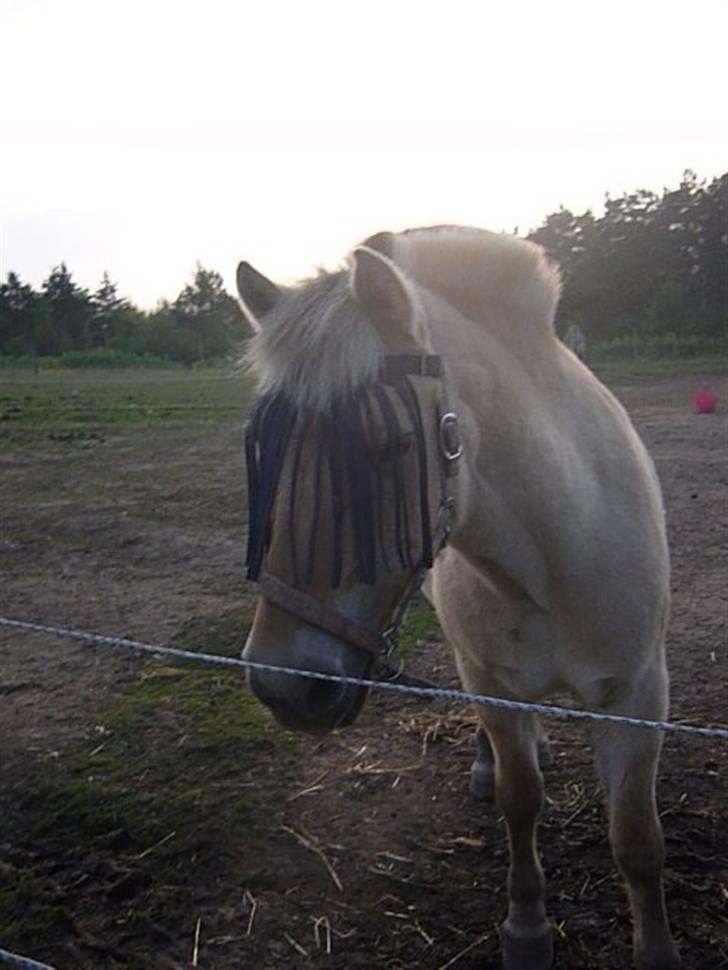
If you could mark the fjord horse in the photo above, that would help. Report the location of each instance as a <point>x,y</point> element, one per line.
<point>548,557</point>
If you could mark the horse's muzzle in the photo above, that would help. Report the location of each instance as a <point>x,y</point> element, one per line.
<point>304,704</point>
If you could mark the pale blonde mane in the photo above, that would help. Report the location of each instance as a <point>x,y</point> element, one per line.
<point>504,282</point>
<point>317,344</point>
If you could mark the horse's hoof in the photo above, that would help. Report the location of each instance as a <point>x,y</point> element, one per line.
<point>667,959</point>
<point>532,952</point>
<point>482,782</point>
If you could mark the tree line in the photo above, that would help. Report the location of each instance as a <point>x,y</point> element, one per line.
<point>651,265</point>
<point>203,323</point>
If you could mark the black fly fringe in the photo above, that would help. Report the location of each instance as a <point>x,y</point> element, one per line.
<point>361,471</point>
<point>368,418</point>
<point>311,560</point>
<point>266,441</point>
<point>297,451</point>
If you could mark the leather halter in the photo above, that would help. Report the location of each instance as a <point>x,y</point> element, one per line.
<point>381,646</point>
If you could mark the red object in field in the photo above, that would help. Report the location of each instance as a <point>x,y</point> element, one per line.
<point>704,402</point>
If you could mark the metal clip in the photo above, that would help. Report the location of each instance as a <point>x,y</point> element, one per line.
<point>449,438</point>
<point>389,638</point>
<point>386,672</point>
<point>446,516</point>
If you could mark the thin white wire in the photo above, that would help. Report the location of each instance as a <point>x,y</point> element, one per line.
<point>24,963</point>
<point>432,693</point>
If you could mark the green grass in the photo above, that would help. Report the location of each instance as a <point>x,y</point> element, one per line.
<point>76,405</point>
<point>421,625</point>
<point>177,740</point>
<point>98,357</point>
<point>671,345</point>
<point>632,369</point>
<point>63,408</point>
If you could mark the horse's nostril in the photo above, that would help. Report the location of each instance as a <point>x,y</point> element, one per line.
<point>300,704</point>
<point>264,689</point>
<point>321,696</point>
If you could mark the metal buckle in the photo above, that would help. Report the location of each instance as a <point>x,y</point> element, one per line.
<point>389,639</point>
<point>386,672</point>
<point>445,517</point>
<point>448,436</point>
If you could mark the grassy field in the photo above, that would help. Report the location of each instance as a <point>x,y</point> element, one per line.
<point>113,483</point>
<point>642,368</point>
<point>119,488</point>
<point>137,795</point>
<point>170,785</point>
<point>82,402</point>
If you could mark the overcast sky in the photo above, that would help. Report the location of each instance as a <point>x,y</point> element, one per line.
<point>140,137</point>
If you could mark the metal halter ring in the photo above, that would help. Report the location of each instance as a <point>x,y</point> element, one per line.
<point>447,430</point>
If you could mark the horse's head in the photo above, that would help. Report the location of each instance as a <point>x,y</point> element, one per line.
<point>348,447</point>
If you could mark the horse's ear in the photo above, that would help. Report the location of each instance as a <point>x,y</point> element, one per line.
<point>384,294</point>
<point>258,295</point>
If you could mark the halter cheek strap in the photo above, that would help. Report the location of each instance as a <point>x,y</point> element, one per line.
<point>317,614</point>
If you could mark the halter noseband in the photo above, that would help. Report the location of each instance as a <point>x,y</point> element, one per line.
<point>381,646</point>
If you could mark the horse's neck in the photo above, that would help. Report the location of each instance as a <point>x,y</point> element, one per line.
<point>504,488</point>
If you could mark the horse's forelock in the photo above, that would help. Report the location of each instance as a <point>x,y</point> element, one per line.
<point>316,344</point>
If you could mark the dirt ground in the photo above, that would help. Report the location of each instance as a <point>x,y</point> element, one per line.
<point>363,850</point>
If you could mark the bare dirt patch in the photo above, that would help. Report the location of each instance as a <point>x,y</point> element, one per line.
<point>120,849</point>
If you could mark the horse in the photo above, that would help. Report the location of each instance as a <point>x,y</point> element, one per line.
<point>416,414</point>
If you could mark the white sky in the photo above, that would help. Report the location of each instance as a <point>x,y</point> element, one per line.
<point>140,137</point>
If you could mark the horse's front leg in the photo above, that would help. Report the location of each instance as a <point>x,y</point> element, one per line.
<point>482,770</point>
<point>526,934</point>
<point>627,761</point>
